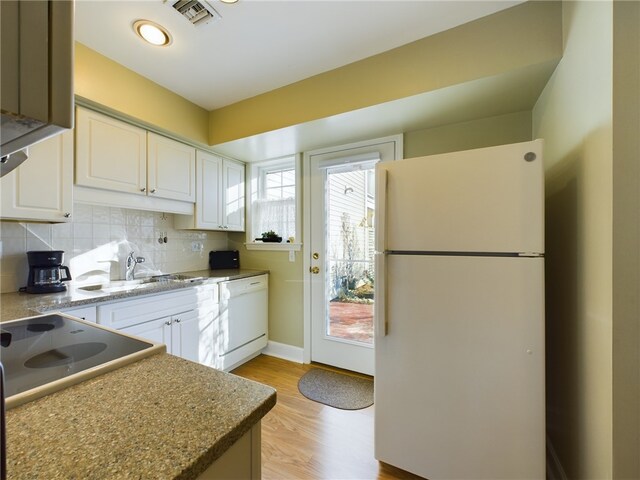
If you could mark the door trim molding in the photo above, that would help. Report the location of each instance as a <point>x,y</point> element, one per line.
<point>306,224</point>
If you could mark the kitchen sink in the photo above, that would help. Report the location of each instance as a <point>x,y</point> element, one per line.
<point>139,284</point>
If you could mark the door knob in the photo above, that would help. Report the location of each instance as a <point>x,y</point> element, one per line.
<point>314,270</point>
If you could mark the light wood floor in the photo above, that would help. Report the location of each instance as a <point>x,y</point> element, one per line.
<point>302,439</point>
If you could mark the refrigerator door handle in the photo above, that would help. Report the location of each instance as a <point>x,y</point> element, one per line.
<point>380,289</point>
<point>381,209</point>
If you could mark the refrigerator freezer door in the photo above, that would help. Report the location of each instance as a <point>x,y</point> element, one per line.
<point>484,200</point>
<point>459,388</point>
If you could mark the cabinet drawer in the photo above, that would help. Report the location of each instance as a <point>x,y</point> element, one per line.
<point>86,313</point>
<point>132,312</point>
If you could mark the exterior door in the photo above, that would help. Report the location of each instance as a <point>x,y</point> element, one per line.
<point>340,234</point>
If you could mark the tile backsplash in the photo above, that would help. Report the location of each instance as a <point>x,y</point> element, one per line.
<point>98,240</point>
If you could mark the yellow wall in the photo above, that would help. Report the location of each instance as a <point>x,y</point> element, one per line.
<point>527,34</point>
<point>574,116</point>
<point>108,83</point>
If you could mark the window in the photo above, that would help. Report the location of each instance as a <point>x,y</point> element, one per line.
<point>274,203</point>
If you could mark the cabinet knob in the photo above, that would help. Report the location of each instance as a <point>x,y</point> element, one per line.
<point>177,320</point>
<point>168,322</point>
<point>153,190</point>
<point>143,189</point>
<point>67,215</point>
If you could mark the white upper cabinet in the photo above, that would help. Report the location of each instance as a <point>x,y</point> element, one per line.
<point>171,169</point>
<point>208,201</point>
<point>114,155</point>
<point>110,154</point>
<point>41,188</point>
<point>219,195</point>
<point>233,195</point>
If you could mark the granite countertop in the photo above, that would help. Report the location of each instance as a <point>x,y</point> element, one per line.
<point>17,305</point>
<point>162,417</point>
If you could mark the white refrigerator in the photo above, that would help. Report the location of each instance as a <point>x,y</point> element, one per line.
<point>459,366</point>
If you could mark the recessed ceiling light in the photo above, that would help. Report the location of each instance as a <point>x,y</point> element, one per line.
<point>228,1</point>
<point>152,32</point>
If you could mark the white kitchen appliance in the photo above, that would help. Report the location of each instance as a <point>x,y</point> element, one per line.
<point>459,371</point>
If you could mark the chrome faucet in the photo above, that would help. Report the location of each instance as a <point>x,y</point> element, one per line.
<point>131,263</point>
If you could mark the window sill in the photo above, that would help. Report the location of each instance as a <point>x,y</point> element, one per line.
<point>283,247</point>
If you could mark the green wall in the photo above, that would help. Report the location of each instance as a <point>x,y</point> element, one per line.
<point>286,302</point>
<point>285,289</point>
<point>484,132</point>
<point>626,240</point>
<point>589,116</point>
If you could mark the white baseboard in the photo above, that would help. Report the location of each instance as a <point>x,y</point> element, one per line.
<point>554,467</point>
<point>284,351</point>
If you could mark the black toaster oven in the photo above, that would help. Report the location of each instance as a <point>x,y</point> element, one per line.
<point>224,259</point>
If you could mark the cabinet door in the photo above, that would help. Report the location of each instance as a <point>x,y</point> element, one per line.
<point>41,188</point>
<point>110,154</point>
<point>171,169</point>
<point>233,196</point>
<point>158,330</point>
<point>208,201</point>
<point>185,339</point>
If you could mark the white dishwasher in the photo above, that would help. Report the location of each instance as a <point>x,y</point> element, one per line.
<point>242,330</point>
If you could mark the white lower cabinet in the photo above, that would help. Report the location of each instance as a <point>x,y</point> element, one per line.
<point>158,330</point>
<point>172,318</point>
<point>219,325</point>
<point>178,332</point>
<point>185,337</point>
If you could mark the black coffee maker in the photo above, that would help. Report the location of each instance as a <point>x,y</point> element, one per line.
<point>46,272</point>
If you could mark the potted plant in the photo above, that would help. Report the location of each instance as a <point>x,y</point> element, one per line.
<point>271,236</point>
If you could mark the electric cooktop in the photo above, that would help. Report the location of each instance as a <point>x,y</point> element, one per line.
<point>47,353</point>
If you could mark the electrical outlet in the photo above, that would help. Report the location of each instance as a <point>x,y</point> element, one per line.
<point>197,246</point>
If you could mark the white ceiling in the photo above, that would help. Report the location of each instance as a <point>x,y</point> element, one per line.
<point>260,45</point>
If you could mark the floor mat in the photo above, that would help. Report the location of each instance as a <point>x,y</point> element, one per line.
<point>336,389</point>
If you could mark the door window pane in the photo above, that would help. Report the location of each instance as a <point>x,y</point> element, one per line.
<point>350,248</point>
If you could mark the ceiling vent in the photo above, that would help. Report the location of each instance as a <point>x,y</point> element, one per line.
<point>197,12</point>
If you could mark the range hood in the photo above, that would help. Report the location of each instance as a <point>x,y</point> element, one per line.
<point>36,74</point>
